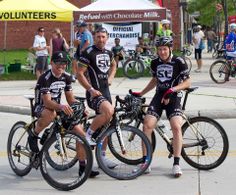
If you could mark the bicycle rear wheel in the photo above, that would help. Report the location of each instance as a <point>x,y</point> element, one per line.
<point>133,151</point>
<point>188,62</point>
<point>133,68</point>
<point>205,143</point>
<point>68,177</point>
<point>219,72</point>
<point>18,151</point>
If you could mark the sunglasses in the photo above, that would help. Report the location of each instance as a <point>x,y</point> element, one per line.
<point>41,31</point>
<point>61,63</point>
<point>102,30</point>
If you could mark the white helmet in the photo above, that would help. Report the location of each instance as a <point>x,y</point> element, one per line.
<point>199,26</point>
<point>232,26</point>
<point>165,21</point>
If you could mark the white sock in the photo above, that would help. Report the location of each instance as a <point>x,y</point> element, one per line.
<point>89,132</point>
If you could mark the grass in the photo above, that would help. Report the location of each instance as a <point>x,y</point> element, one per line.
<point>12,55</point>
<point>12,76</point>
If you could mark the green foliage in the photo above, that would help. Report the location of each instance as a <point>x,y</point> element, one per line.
<point>207,9</point>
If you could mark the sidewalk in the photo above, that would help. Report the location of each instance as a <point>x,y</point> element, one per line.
<point>213,100</point>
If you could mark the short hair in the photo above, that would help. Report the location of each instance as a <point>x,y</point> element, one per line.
<point>40,28</point>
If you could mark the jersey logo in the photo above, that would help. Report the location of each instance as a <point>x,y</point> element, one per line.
<point>103,62</point>
<point>164,72</point>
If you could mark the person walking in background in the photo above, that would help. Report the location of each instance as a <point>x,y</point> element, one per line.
<point>117,51</point>
<point>57,42</point>
<point>198,36</point>
<point>77,41</point>
<point>86,37</point>
<point>41,48</point>
<point>211,37</point>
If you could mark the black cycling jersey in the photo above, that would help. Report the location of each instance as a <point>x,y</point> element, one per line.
<point>49,84</point>
<point>169,74</point>
<point>98,63</point>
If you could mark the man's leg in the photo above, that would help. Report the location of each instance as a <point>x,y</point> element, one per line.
<point>176,123</point>
<point>46,117</point>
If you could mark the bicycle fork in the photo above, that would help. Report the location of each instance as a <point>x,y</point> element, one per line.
<point>120,139</point>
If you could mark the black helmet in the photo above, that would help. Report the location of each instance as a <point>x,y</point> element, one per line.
<point>164,41</point>
<point>69,122</point>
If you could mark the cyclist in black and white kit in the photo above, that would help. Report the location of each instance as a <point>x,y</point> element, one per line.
<point>48,92</point>
<point>170,76</point>
<point>100,67</point>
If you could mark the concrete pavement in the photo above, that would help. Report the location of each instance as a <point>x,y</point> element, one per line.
<point>213,100</point>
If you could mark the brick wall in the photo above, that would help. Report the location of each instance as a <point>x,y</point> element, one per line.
<point>21,34</point>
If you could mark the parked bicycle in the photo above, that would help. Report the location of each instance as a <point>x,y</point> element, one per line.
<point>205,142</point>
<point>218,50</point>
<point>135,66</point>
<point>58,151</point>
<point>221,70</point>
<point>184,53</point>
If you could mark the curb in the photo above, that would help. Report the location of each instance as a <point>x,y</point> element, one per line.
<point>215,114</point>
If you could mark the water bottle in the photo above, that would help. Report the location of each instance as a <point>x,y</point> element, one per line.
<point>44,136</point>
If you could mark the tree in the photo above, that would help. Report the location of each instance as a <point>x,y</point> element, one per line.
<point>208,11</point>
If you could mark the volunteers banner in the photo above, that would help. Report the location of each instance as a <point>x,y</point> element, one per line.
<point>127,33</point>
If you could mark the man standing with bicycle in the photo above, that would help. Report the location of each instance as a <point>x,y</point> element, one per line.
<point>48,93</point>
<point>170,76</point>
<point>100,67</point>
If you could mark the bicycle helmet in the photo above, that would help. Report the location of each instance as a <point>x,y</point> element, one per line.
<point>165,21</point>
<point>69,121</point>
<point>164,41</point>
<point>232,26</point>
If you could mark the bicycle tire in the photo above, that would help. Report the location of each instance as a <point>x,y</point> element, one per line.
<point>219,71</point>
<point>67,178</point>
<point>57,166</point>
<point>133,68</point>
<point>215,144</point>
<point>188,62</point>
<point>128,160</point>
<point>123,171</point>
<point>20,151</point>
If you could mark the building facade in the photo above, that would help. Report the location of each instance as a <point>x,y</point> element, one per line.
<point>20,35</point>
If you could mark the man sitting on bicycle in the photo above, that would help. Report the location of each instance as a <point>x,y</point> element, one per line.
<point>48,92</point>
<point>170,76</point>
<point>142,47</point>
<point>96,71</point>
<point>118,51</point>
<point>230,42</point>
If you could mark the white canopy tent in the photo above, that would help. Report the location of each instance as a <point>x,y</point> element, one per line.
<point>123,11</point>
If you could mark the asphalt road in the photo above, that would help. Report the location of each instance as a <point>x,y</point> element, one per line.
<point>215,182</point>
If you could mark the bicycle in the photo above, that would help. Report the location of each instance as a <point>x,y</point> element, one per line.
<point>221,70</point>
<point>205,142</point>
<point>116,137</point>
<point>218,50</point>
<point>135,67</point>
<point>184,53</point>
<point>57,153</point>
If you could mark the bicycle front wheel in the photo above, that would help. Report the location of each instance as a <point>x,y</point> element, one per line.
<point>133,68</point>
<point>131,151</point>
<point>205,143</point>
<point>18,151</point>
<point>219,72</point>
<point>62,151</point>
